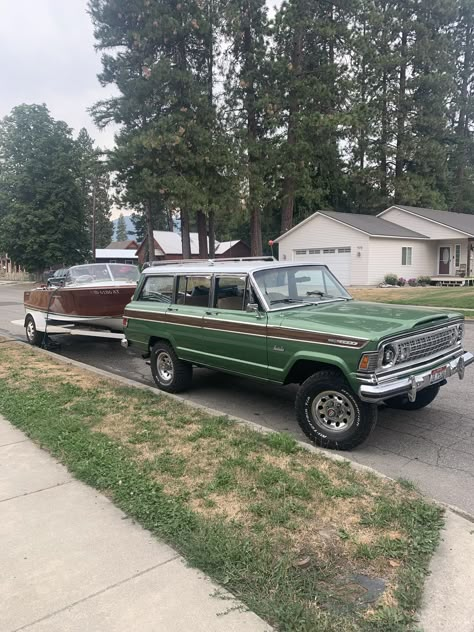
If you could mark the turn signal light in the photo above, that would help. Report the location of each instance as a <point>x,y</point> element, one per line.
<point>364,362</point>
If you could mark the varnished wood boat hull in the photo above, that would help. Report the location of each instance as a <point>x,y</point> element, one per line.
<point>99,306</point>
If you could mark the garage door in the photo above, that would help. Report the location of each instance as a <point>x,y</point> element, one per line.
<point>338,260</point>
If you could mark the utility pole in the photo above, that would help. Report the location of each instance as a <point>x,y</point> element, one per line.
<point>94,197</point>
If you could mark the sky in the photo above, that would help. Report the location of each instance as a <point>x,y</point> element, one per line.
<point>47,56</point>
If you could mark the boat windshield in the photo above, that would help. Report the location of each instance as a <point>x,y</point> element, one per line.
<point>299,285</point>
<point>102,272</point>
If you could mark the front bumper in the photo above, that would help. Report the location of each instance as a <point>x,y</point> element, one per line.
<point>411,384</point>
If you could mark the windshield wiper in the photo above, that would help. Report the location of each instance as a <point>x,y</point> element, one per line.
<point>286,300</point>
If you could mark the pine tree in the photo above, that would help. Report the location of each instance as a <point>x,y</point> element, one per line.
<point>311,82</point>
<point>43,219</point>
<point>461,164</point>
<point>95,186</point>
<point>121,229</point>
<point>247,90</point>
<point>167,144</point>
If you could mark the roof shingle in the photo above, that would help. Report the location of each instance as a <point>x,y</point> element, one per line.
<point>459,221</point>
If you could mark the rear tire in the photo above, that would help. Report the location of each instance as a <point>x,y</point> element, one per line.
<point>423,398</point>
<point>331,414</point>
<point>169,372</point>
<point>33,336</point>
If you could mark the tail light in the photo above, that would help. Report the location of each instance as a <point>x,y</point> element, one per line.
<point>125,322</point>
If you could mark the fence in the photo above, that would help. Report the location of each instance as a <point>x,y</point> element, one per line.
<point>12,272</point>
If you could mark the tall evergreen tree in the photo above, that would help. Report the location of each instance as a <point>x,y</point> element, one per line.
<point>43,220</point>
<point>95,187</point>
<point>167,143</point>
<point>247,89</point>
<point>121,229</point>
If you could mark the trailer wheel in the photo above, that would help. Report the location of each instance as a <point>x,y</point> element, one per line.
<point>33,336</point>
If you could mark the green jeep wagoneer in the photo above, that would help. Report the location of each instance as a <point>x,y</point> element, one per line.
<point>294,323</point>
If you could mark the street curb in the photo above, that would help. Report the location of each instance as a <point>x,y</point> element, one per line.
<point>245,422</point>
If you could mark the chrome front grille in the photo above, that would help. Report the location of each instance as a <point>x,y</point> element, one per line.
<point>427,345</point>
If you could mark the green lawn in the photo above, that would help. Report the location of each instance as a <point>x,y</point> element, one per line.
<point>448,298</point>
<point>287,531</point>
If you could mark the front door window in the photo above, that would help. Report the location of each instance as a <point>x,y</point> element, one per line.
<point>444,259</point>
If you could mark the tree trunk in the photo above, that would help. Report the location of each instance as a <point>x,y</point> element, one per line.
<point>212,235</point>
<point>185,239</point>
<point>401,114</point>
<point>462,128</point>
<point>289,184</point>
<point>202,234</point>
<point>254,164</point>
<point>149,231</point>
<point>256,233</point>
<point>384,141</point>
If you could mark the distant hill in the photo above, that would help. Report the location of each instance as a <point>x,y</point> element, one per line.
<point>130,228</point>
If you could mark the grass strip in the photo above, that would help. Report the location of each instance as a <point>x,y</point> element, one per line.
<point>308,543</point>
<point>453,298</point>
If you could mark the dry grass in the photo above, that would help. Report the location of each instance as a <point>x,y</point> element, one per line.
<point>306,504</point>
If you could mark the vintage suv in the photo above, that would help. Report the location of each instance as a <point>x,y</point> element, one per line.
<point>294,323</point>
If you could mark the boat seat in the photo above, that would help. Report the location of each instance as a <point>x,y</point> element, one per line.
<point>230,302</point>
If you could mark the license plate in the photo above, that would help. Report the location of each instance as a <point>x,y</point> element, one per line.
<point>438,374</point>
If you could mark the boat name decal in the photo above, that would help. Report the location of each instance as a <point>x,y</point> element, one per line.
<point>105,292</point>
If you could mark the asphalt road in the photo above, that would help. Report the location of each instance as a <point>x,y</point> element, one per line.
<point>433,447</point>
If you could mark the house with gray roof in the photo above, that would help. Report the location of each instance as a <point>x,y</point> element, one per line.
<point>403,240</point>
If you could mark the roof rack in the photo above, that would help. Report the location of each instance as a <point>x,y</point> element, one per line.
<point>206,261</point>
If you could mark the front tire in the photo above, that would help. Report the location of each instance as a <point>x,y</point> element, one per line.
<point>33,336</point>
<point>423,398</point>
<point>331,414</point>
<point>169,372</point>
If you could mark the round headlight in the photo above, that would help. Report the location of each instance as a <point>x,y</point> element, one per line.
<point>460,332</point>
<point>389,356</point>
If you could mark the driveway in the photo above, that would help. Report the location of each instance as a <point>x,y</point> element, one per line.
<point>433,447</point>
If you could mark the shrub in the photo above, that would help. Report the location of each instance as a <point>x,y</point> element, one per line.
<point>412,282</point>
<point>423,280</point>
<point>401,282</point>
<point>391,279</point>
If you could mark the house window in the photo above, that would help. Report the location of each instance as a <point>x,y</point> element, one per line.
<point>329,251</point>
<point>314,251</point>
<point>300,252</point>
<point>406,256</point>
<point>341,250</point>
<point>458,254</point>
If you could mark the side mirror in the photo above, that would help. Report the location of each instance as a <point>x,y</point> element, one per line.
<point>251,308</point>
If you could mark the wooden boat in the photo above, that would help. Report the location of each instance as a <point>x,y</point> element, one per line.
<point>93,295</point>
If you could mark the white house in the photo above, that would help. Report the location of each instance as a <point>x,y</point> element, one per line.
<point>404,240</point>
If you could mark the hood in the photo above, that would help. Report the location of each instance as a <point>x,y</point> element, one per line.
<point>363,319</point>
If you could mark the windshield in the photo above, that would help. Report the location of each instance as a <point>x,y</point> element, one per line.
<point>104,272</point>
<point>299,285</point>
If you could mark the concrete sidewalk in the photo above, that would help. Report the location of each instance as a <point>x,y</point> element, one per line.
<point>71,561</point>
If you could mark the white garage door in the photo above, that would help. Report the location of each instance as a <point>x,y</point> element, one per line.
<point>338,260</point>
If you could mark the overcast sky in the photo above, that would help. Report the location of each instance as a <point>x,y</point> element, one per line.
<point>47,56</point>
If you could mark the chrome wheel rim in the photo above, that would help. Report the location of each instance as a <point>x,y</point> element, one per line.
<point>333,411</point>
<point>164,367</point>
<point>30,330</point>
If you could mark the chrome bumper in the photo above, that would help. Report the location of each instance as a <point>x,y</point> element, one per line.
<point>410,385</point>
